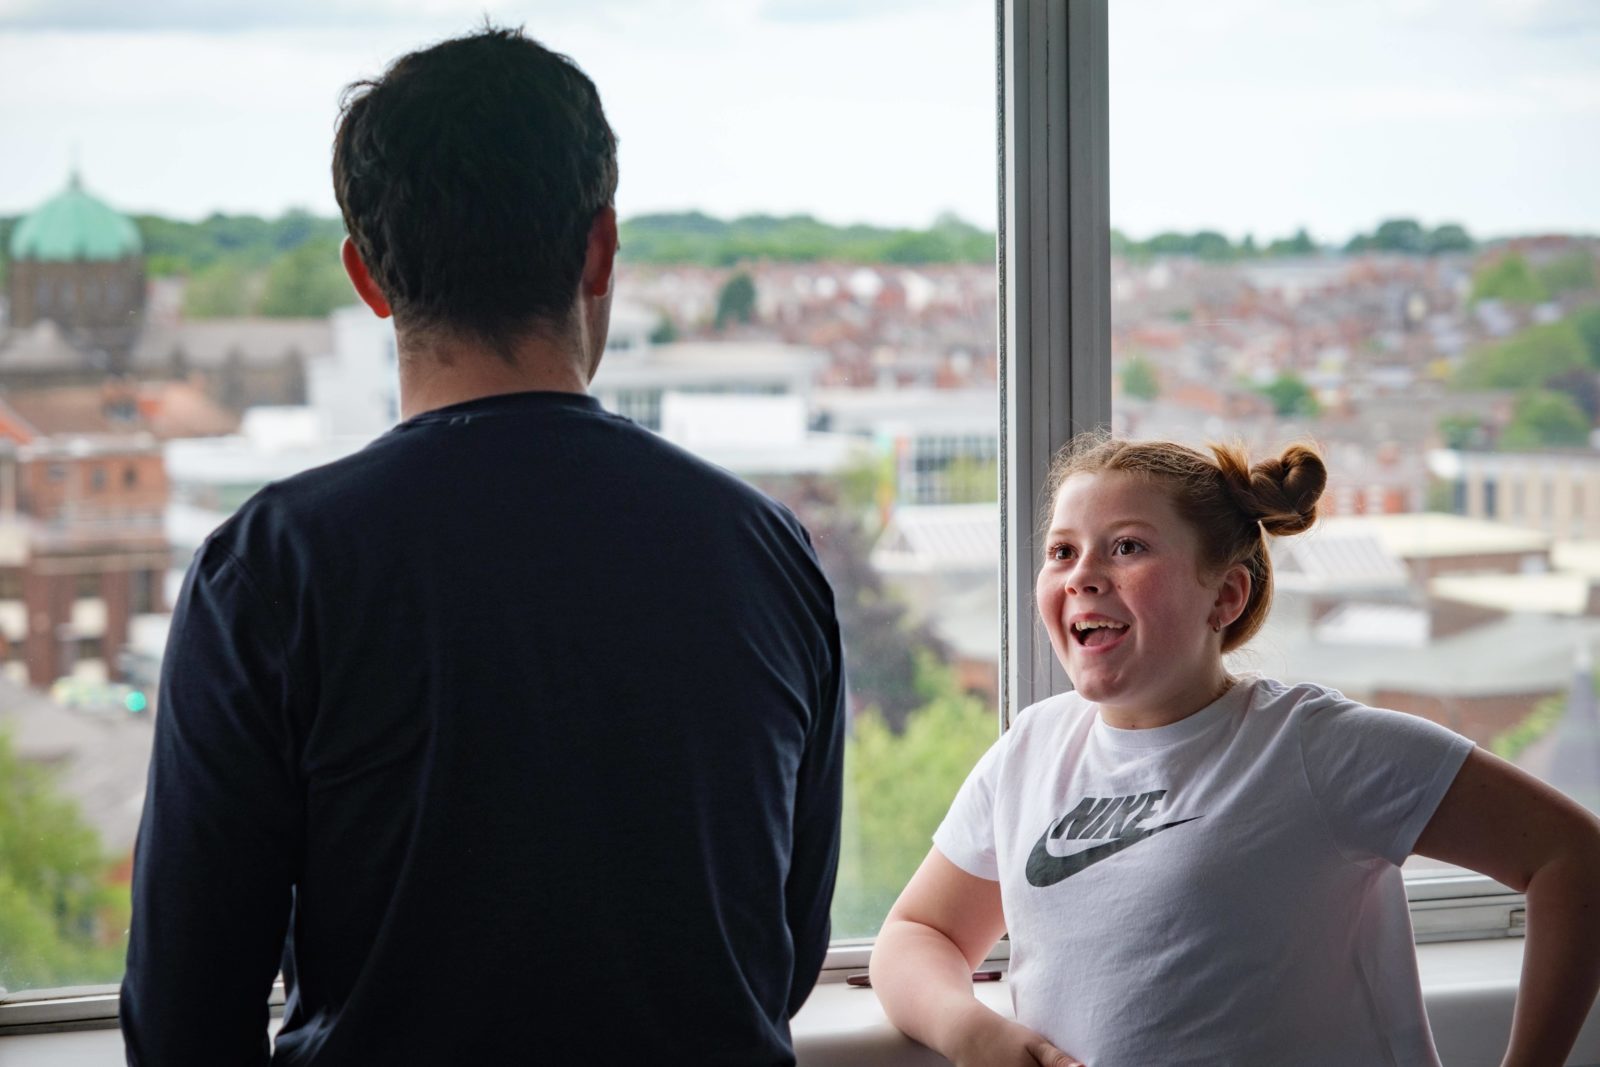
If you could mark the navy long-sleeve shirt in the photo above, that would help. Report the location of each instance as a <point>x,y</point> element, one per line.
<point>522,730</point>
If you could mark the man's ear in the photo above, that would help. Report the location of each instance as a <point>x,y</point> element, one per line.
<point>600,260</point>
<point>361,278</point>
<point>1232,596</point>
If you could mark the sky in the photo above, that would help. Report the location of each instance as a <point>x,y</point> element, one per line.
<point>1245,116</point>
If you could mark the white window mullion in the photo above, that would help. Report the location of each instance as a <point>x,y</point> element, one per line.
<point>1054,266</point>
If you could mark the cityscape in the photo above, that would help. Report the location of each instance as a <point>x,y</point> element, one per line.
<point>149,384</point>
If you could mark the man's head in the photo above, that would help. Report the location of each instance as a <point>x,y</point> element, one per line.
<point>476,179</point>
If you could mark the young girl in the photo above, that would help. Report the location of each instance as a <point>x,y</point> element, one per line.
<point>1198,868</point>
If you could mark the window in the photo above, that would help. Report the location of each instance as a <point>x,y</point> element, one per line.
<point>1307,244</point>
<point>144,591</point>
<point>848,281</point>
<point>1152,332</point>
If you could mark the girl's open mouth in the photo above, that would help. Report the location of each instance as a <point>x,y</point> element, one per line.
<point>1097,632</point>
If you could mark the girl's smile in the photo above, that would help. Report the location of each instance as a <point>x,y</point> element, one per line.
<point>1130,612</point>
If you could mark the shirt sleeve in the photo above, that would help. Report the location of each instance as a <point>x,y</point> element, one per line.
<point>966,836</point>
<point>818,805</point>
<point>1377,775</point>
<point>219,843</point>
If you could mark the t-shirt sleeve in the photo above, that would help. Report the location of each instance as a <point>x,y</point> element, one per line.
<point>1377,775</point>
<point>966,836</point>
<point>218,846</point>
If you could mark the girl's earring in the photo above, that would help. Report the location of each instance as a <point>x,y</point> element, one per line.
<point>1216,627</point>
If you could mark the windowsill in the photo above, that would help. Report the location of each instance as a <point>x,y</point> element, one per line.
<point>1469,987</point>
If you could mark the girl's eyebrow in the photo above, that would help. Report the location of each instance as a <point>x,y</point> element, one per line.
<point>1119,524</point>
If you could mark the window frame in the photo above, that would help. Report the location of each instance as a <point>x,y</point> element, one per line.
<point>1053,237</point>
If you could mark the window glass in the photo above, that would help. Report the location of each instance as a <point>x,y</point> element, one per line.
<point>806,296</point>
<point>1369,225</point>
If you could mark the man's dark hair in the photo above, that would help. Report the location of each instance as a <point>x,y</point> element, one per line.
<point>469,175</point>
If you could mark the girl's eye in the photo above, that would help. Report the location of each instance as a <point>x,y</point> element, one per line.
<point>1060,552</point>
<point>1126,547</point>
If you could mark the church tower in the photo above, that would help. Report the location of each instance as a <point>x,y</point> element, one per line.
<point>78,263</point>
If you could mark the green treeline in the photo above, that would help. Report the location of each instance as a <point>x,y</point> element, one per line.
<point>1405,236</point>
<point>694,237</point>
<point>289,266</point>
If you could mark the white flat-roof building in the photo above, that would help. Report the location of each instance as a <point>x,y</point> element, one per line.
<point>927,431</point>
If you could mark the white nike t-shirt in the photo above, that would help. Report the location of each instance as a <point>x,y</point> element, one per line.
<point>1223,890</point>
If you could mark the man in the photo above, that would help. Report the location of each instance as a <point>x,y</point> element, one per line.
<point>516,736</point>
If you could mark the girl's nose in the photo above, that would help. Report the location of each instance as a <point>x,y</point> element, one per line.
<point>1086,577</point>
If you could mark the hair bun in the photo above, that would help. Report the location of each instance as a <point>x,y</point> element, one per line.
<point>1282,493</point>
<point>1286,490</point>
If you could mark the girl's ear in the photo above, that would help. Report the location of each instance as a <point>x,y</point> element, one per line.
<point>1232,596</point>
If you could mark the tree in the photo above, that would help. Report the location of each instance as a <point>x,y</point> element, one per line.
<point>1300,244</point>
<point>225,289</point>
<point>1400,235</point>
<point>1583,386</point>
<point>1449,238</point>
<point>1291,396</point>
<point>1528,360</point>
<point>307,282</point>
<point>1461,431</point>
<point>1510,279</point>
<point>56,908</point>
<point>1408,237</point>
<point>1543,418</point>
<point>736,302</point>
<point>898,787</point>
<point>971,481</point>
<point>1573,273</point>
<point>1210,245</point>
<point>1139,379</point>
<point>1586,324</point>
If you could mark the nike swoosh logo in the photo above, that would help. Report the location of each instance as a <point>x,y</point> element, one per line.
<point>1046,870</point>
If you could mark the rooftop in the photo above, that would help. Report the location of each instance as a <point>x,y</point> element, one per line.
<point>1431,535</point>
<point>939,537</point>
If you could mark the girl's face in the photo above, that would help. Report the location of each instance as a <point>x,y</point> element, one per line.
<point>1128,609</point>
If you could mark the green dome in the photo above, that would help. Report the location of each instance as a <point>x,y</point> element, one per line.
<point>73,226</point>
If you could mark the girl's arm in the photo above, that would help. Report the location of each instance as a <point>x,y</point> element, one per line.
<point>1503,822</point>
<point>940,929</point>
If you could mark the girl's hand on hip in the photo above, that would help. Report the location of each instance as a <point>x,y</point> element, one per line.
<point>998,1042</point>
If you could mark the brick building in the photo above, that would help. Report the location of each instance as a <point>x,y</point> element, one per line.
<point>83,546</point>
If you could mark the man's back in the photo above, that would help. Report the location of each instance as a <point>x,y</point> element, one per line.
<point>542,719</point>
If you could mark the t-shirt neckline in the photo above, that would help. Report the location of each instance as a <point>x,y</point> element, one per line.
<point>504,404</point>
<point>1235,700</point>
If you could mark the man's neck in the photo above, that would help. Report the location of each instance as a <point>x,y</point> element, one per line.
<point>438,373</point>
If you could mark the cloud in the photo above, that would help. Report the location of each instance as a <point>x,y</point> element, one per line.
<point>230,16</point>
<point>823,11</point>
